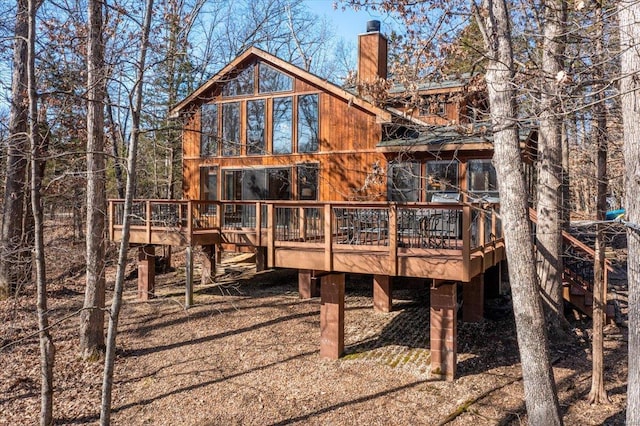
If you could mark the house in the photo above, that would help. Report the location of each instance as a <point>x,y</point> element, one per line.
<point>263,129</point>
<point>332,181</point>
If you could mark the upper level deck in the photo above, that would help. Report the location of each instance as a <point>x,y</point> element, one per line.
<point>428,240</point>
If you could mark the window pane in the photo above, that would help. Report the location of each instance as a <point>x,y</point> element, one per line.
<point>254,185</point>
<point>271,80</point>
<point>279,184</point>
<point>282,119</point>
<point>482,180</point>
<point>442,176</point>
<point>209,183</point>
<point>308,123</point>
<point>232,185</point>
<point>308,182</point>
<point>209,130</point>
<point>231,129</point>
<point>403,182</point>
<point>242,84</point>
<point>255,127</point>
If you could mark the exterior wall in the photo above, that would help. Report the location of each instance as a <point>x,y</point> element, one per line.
<point>346,152</point>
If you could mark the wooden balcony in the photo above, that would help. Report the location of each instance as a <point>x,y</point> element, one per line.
<point>441,241</point>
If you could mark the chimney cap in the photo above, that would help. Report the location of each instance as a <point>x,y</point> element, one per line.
<point>373,26</point>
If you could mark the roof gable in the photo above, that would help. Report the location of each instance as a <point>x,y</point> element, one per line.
<point>254,53</point>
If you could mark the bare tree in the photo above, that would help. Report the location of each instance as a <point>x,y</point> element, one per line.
<point>629,23</point>
<point>539,386</point>
<point>598,394</point>
<point>47,349</point>
<point>549,228</point>
<point>107,384</point>
<point>16,169</point>
<point>92,316</point>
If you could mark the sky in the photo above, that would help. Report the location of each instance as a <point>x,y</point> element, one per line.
<point>348,23</point>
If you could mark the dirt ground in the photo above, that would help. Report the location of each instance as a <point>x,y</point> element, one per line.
<point>248,354</point>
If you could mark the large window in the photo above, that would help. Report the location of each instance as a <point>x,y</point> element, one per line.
<point>307,181</point>
<point>403,182</point>
<point>231,129</point>
<point>258,184</point>
<point>308,123</point>
<point>209,130</point>
<point>482,181</point>
<point>271,80</point>
<point>241,84</point>
<point>282,130</point>
<point>442,180</point>
<point>256,126</point>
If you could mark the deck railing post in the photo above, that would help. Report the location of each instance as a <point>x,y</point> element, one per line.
<point>393,239</point>
<point>271,236</point>
<point>148,220</point>
<point>189,221</point>
<point>111,214</point>
<point>482,220</point>
<point>258,224</point>
<point>466,241</point>
<point>494,223</point>
<point>219,209</point>
<point>302,223</point>
<point>328,237</point>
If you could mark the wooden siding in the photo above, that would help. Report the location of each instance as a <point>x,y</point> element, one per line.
<point>346,155</point>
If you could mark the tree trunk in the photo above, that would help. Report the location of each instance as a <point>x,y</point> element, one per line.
<point>116,141</point>
<point>47,349</point>
<point>11,237</point>
<point>92,316</point>
<point>107,382</point>
<point>598,394</point>
<point>629,23</point>
<point>539,387</point>
<point>549,228</point>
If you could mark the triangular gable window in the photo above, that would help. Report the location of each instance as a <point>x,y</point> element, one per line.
<point>242,84</point>
<point>272,80</point>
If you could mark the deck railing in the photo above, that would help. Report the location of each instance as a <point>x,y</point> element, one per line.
<point>378,226</point>
<point>578,259</point>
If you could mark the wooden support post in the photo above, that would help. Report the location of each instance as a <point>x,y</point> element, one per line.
<point>188,294</point>
<point>308,284</point>
<point>261,259</point>
<point>219,251</point>
<point>208,265</point>
<point>382,293</point>
<point>167,257</point>
<point>146,272</point>
<point>332,316</point>
<point>444,330</point>
<point>473,299</point>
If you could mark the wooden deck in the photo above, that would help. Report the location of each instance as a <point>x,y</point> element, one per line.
<point>439,241</point>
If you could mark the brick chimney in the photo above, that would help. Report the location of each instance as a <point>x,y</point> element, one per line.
<point>372,54</point>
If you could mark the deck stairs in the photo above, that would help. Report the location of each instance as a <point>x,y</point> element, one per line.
<point>577,277</point>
